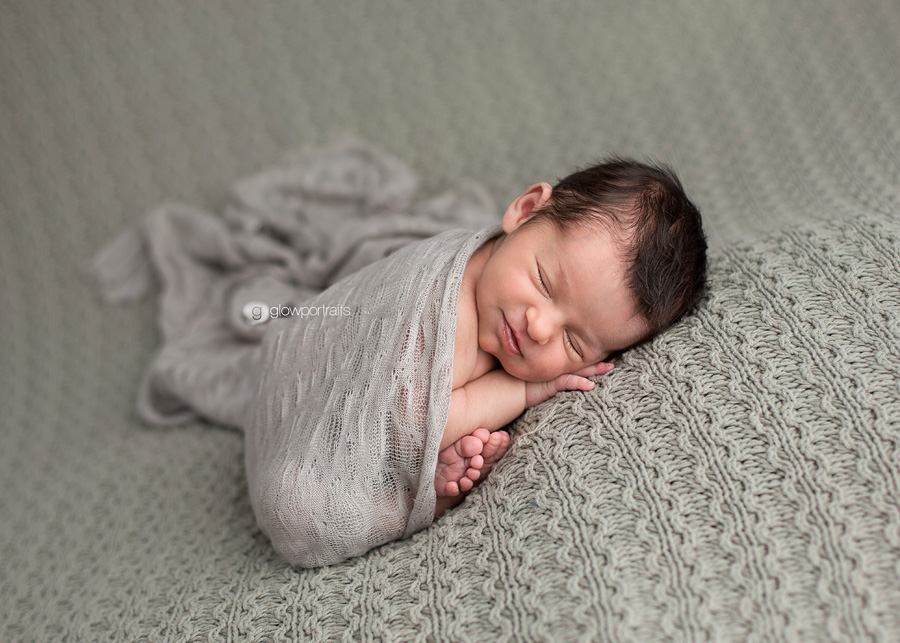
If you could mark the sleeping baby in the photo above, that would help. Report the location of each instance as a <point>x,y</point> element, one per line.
<point>382,404</point>
<point>582,271</point>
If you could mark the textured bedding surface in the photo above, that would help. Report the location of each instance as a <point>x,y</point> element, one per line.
<point>736,479</point>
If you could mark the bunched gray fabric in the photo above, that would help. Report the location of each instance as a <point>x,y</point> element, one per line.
<point>343,395</point>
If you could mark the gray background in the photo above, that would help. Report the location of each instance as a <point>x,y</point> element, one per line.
<point>772,112</point>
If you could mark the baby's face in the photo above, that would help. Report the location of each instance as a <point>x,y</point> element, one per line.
<point>551,303</point>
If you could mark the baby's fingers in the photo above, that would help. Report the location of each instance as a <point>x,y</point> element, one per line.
<point>537,392</point>
<point>570,382</point>
<point>600,368</point>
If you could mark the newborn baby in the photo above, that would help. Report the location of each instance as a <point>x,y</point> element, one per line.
<point>606,259</point>
<point>380,405</point>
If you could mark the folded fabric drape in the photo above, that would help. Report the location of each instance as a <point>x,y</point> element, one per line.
<point>318,315</point>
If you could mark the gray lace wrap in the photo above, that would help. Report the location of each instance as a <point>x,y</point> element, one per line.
<point>318,315</point>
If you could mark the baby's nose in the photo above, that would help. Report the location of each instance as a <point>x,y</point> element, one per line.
<point>540,325</point>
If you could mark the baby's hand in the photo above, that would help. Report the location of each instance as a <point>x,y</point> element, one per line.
<point>537,392</point>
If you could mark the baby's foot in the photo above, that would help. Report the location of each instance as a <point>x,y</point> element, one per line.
<point>494,449</point>
<point>457,473</point>
<point>459,465</point>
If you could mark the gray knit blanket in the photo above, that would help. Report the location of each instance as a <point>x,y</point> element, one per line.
<point>737,476</point>
<point>343,395</point>
<point>744,469</point>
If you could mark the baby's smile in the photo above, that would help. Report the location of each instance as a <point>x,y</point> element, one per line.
<point>510,337</point>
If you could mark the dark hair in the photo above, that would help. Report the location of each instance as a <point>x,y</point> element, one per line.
<point>646,206</point>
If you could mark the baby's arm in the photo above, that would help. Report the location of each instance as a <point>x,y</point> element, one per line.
<point>497,398</point>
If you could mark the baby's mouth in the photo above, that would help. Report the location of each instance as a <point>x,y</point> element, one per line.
<point>509,337</point>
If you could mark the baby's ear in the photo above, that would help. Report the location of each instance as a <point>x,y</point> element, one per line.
<point>524,205</point>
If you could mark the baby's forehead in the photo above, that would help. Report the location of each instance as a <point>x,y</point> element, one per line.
<point>611,235</point>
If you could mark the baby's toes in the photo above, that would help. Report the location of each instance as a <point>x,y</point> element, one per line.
<point>469,446</point>
<point>496,447</point>
<point>482,434</point>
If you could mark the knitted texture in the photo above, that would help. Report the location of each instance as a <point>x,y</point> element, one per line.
<point>773,113</point>
<point>351,405</point>
<point>280,320</point>
<point>742,470</point>
<point>287,233</point>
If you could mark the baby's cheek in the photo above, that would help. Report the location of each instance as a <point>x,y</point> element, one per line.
<point>546,369</point>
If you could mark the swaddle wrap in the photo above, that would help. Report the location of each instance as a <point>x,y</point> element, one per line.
<point>343,393</point>
<point>354,398</point>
